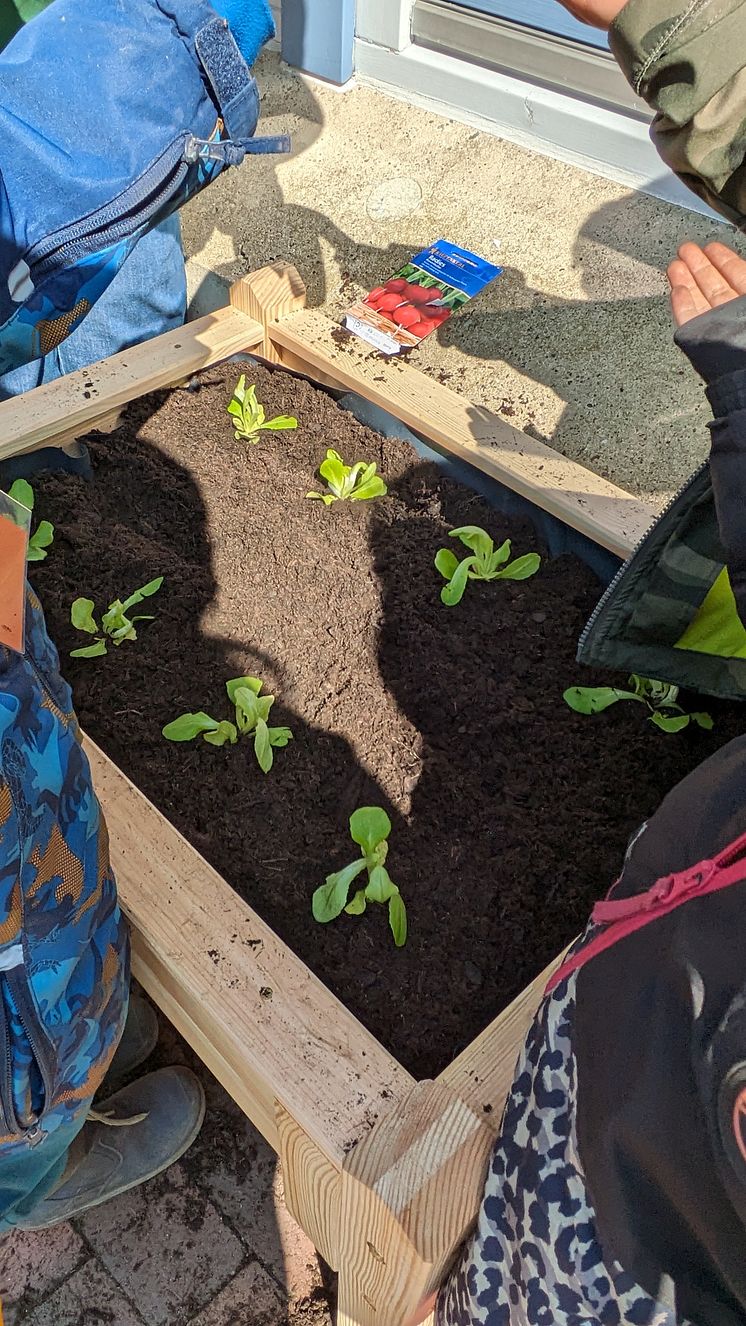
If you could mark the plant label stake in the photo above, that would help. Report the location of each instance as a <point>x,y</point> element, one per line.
<point>15,524</point>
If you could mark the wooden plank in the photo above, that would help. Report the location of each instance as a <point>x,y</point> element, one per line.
<point>311,1187</point>
<point>267,1027</point>
<point>266,296</point>
<point>72,405</point>
<point>456,427</point>
<point>482,1074</point>
<point>409,1193</point>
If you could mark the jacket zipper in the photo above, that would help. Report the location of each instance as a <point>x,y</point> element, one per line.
<point>73,241</point>
<point>611,587</point>
<point>31,1132</point>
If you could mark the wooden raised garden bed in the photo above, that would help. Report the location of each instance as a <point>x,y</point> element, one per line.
<point>383,1172</point>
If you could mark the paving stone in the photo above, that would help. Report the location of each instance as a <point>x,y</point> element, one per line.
<point>31,1265</point>
<point>232,1163</point>
<point>251,1297</point>
<point>166,1246</point>
<point>90,1296</point>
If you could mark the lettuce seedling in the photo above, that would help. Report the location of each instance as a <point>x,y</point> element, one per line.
<point>369,827</point>
<point>252,711</point>
<point>655,695</point>
<point>43,536</point>
<point>249,419</point>
<point>356,483</point>
<point>485,563</point>
<point>116,625</point>
<point>189,726</point>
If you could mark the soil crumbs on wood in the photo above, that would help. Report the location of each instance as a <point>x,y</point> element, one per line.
<point>510,813</point>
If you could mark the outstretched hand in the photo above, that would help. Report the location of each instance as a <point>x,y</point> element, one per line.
<point>702,279</point>
<point>597,13</point>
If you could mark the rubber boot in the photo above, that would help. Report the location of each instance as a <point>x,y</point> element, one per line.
<point>128,1139</point>
<point>139,1039</point>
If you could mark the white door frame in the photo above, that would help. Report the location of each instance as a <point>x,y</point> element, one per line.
<point>385,23</point>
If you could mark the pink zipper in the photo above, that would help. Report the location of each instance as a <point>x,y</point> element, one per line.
<point>624,916</point>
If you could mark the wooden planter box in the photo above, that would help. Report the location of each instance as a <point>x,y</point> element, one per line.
<point>385,1174</point>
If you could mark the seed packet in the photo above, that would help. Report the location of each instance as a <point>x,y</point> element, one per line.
<point>419,298</point>
<point>15,524</point>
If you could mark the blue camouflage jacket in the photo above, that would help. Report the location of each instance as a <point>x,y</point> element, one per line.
<point>64,949</point>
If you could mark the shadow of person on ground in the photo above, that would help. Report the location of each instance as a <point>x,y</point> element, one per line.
<point>283,230</point>
<point>609,357</point>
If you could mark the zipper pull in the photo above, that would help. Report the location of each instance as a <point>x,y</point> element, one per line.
<point>33,1136</point>
<point>230,153</point>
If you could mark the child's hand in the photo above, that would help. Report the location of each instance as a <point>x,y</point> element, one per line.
<point>702,279</point>
<point>597,13</point>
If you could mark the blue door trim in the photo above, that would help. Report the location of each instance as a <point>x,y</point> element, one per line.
<point>318,36</point>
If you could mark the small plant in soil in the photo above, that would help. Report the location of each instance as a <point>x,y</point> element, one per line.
<point>659,697</point>
<point>252,711</point>
<point>354,483</point>
<point>249,419</point>
<point>369,828</point>
<point>43,536</point>
<point>116,624</point>
<point>486,562</point>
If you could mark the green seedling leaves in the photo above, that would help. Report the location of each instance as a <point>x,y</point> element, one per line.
<point>381,887</point>
<point>263,746</point>
<point>370,827</point>
<point>677,722</point>
<point>480,543</point>
<point>43,536</point>
<point>250,683</point>
<point>523,568</point>
<point>249,418</point>
<point>358,904</point>
<point>485,563</point>
<point>252,711</point>
<point>90,651</point>
<point>446,562</point>
<point>81,616</point>
<point>21,491</point>
<point>116,625</point>
<point>329,901</point>
<point>189,726</point>
<point>453,592</point>
<point>145,592</point>
<point>670,722</point>
<point>356,483</point>
<point>398,919</point>
<point>594,699</point>
<point>657,696</point>
<point>280,736</point>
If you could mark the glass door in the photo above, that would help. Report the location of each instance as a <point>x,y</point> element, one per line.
<point>536,41</point>
<point>541,15</point>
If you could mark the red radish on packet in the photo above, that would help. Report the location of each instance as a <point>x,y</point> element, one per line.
<point>418,299</point>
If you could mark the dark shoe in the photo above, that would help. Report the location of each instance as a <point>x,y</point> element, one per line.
<point>126,1140</point>
<point>139,1039</point>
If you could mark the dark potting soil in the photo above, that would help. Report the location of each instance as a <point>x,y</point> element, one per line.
<point>510,813</point>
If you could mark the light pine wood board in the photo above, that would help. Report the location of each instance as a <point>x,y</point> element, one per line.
<point>456,427</point>
<point>483,1073</point>
<point>271,1032</point>
<point>74,404</point>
